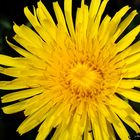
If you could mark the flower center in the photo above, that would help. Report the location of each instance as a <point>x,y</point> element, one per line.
<point>81,76</point>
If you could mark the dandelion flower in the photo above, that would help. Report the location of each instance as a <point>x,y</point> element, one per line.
<point>74,77</point>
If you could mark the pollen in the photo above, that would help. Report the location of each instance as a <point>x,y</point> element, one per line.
<point>82,76</point>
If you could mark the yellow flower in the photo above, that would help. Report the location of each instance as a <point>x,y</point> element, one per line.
<point>75,77</point>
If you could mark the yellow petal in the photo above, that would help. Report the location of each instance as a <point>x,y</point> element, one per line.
<point>103,30</point>
<point>60,16</point>
<point>74,126</point>
<point>68,15</point>
<point>113,25</point>
<point>29,35</point>
<point>88,133</point>
<point>126,111</point>
<point>122,104</point>
<point>133,49</point>
<point>14,108</point>
<point>124,115</point>
<point>132,58</point>
<point>24,43</point>
<point>128,84</point>
<point>33,120</point>
<point>21,94</point>
<point>81,22</point>
<point>95,25</point>
<point>18,72</point>
<point>45,12</point>
<point>111,131</point>
<point>96,128</point>
<point>124,24</point>
<point>47,110</point>
<point>34,21</point>
<point>131,74</point>
<point>47,125</point>
<point>62,129</point>
<point>104,110</point>
<point>103,126</point>
<point>46,24</point>
<point>131,70</point>
<point>120,129</point>
<point>38,52</point>
<point>93,10</point>
<point>18,83</point>
<point>83,121</point>
<point>64,136</point>
<point>37,102</point>
<point>128,39</point>
<point>9,61</point>
<point>131,94</point>
<point>136,117</point>
<point>20,50</point>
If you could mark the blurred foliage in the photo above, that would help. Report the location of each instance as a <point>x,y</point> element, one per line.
<point>12,11</point>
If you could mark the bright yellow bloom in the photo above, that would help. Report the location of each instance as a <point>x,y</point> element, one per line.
<point>75,77</point>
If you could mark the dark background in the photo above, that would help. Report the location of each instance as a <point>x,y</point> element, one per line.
<point>12,11</point>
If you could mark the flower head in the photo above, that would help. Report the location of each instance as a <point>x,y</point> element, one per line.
<point>76,78</point>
